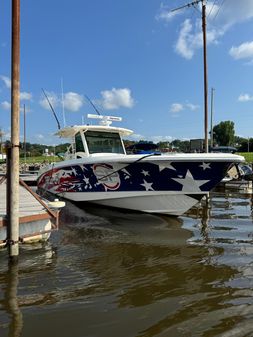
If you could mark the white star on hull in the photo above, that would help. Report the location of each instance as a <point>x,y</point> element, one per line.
<point>189,183</point>
<point>205,166</point>
<point>166,165</point>
<point>148,186</point>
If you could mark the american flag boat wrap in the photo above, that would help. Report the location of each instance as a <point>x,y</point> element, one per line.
<point>97,169</point>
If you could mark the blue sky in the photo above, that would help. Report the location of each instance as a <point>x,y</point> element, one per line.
<point>133,59</point>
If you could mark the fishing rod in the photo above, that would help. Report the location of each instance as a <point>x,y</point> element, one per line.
<point>92,105</point>
<point>57,120</point>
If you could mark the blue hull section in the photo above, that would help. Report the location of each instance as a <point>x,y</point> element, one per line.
<point>184,177</point>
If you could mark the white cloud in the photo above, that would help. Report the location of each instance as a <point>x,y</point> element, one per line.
<point>219,20</point>
<point>233,12</point>
<point>182,45</point>
<point>6,81</point>
<point>6,105</point>
<point>165,14</point>
<point>73,101</point>
<point>136,137</point>
<point>191,38</point>
<point>176,107</point>
<point>192,107</point>
<point>39,136</point>
<point>245,98</point>
<point>25,96</point>
<point>157,139</point>
<point>243,51</point>
<point>116,98</point>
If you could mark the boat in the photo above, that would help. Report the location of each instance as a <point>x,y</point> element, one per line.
<point>96,168</point>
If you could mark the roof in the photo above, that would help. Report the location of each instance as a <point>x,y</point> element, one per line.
<point>70,131</point>
<point>223,149</point>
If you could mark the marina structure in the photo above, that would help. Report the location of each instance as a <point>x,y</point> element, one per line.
<point>37,218</point>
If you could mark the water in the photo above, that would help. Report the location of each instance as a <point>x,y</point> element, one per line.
<point>107,273</point>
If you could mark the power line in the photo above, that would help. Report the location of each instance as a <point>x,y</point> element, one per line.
<point>211,8</point>
<point>187,5</point>
<point>223,1</point>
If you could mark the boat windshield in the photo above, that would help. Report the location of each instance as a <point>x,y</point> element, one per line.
<point>104,142</point>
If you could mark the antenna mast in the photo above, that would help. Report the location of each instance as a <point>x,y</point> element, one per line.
<point>205,63</point>
<point>63,106</point>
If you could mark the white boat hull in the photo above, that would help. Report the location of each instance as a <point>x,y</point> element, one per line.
<point>151,202</point>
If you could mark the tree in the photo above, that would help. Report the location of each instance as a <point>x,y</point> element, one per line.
<point>224,133</point>
<point>246,145</point>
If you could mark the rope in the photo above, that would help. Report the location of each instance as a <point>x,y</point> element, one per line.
<point>122,168</point>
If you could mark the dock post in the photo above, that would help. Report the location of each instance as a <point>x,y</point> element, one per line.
<point>13,240</point>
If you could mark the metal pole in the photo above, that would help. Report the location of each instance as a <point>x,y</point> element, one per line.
<point>205,74</point>
<point>14,173</point>
<point>212,94</point>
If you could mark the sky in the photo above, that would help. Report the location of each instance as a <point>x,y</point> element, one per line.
<point>133,59</point>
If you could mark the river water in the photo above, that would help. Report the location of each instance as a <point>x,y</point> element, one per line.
<point>110,273</point>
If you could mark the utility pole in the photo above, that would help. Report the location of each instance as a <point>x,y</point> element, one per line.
<point>204,62</point>
<point>13,199</point>
<point>211,135</point>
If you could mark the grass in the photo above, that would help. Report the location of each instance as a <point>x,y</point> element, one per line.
<point>40,159</point>
<point>247,155</point>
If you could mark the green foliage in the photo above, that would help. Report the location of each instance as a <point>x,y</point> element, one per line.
<point>181,145</point>
<point>247,155</point>
<point>39,159</point>
<point>245,145</point>
<point>224,133</point>
<point>163,145</point>
<point>36,150</point>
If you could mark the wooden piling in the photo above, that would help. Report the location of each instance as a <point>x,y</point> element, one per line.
<point>13,240</point>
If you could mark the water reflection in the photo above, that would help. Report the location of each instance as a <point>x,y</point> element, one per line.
<point>132,274</point>
<point>15,295</point>
<point>11,301</point>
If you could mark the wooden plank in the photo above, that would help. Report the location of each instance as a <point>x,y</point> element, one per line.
<point>26,219</point>
<point>28,204</point>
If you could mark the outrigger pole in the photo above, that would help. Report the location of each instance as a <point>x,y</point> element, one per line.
<point>92,105</point>
<point>51,107</point>
<point>205,64</point>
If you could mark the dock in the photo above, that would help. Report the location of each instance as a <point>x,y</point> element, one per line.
<point>37,217</point>
<point>239,185</point>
